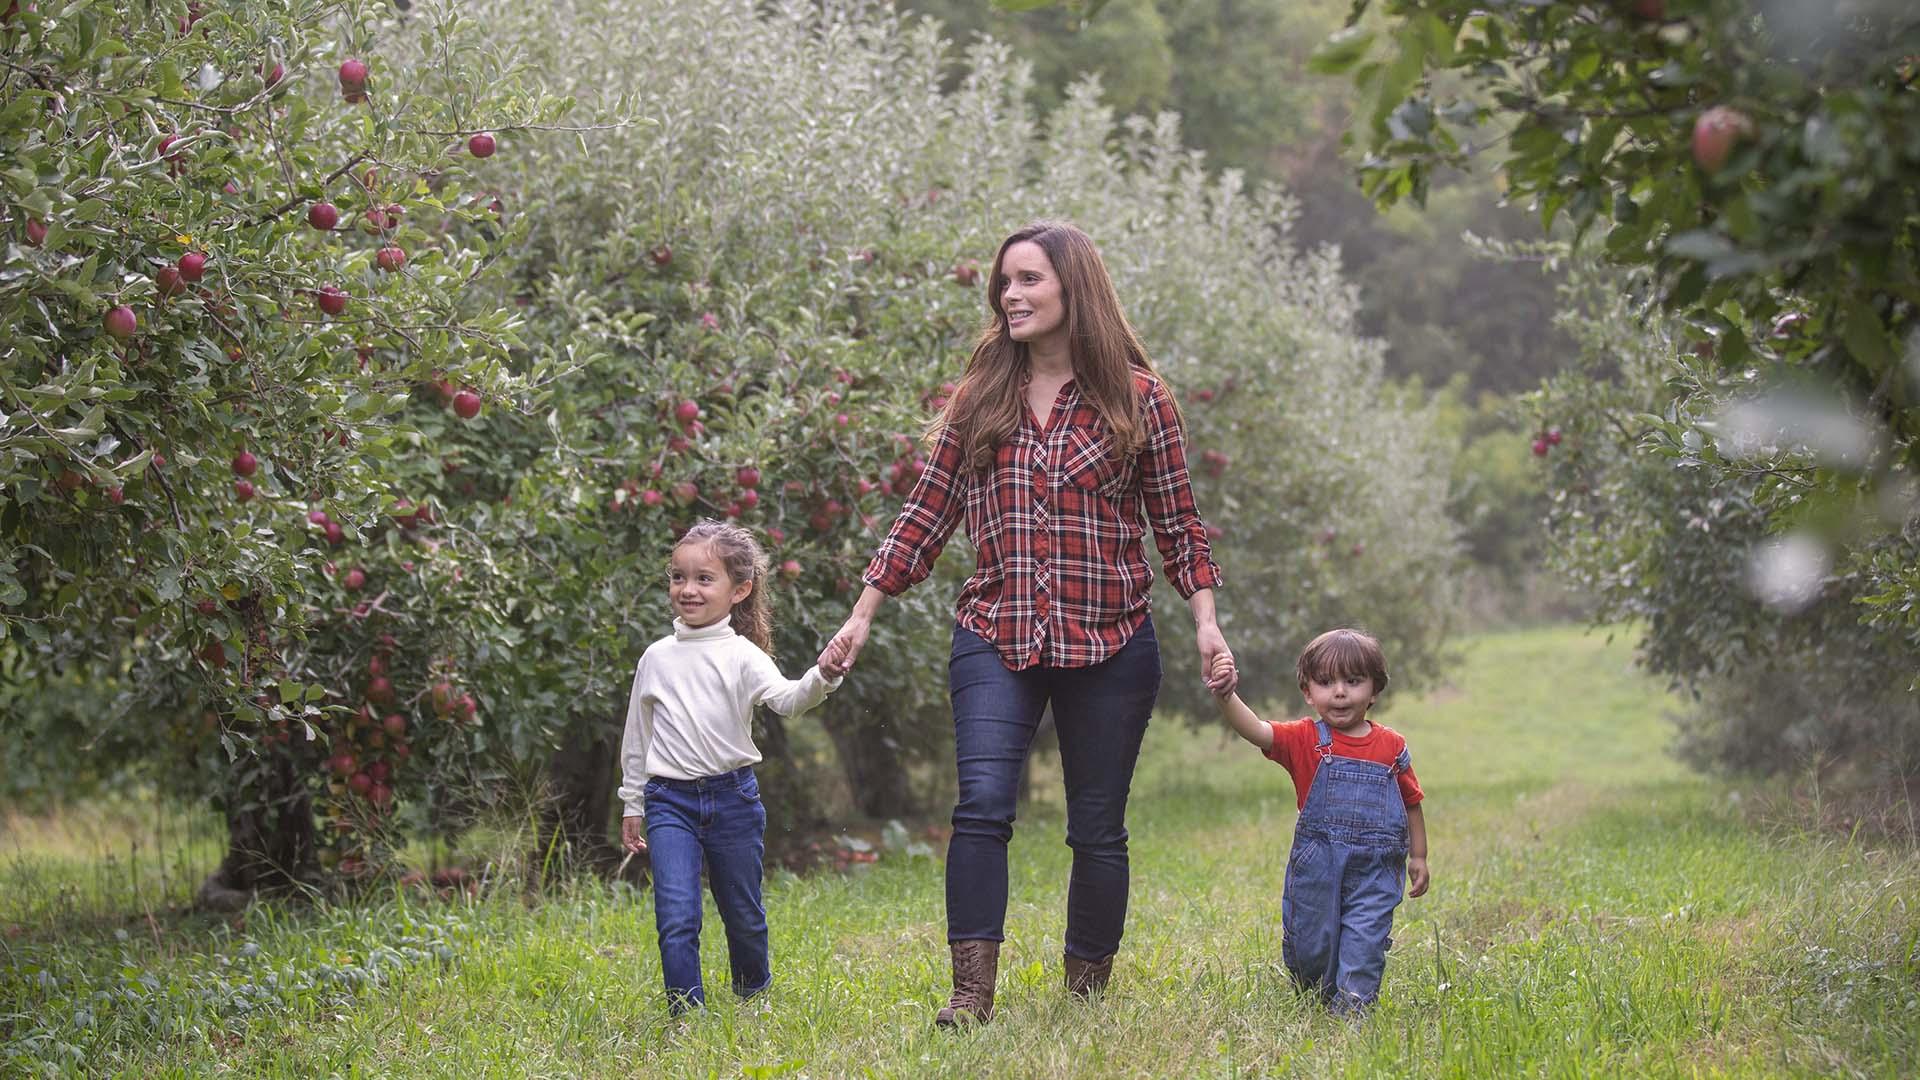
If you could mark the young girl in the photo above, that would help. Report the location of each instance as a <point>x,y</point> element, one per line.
<point>1360,824</point>
<point>687,759</point>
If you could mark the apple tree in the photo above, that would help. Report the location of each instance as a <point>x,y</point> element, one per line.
<point>1742,472</point>
<point>234,241</point>
<point>753,313</point>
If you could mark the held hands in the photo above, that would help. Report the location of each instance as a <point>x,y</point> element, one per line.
<point>1416,876</point>
<point>1217,661</point>
<point>633,834</point>
<point>838,657</point>
<point>1222,674</point>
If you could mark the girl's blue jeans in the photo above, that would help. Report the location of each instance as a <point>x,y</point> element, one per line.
<point>717,820</point>
<point>1101,715</point>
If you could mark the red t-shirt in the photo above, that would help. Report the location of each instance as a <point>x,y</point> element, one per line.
<point>1296,744</point>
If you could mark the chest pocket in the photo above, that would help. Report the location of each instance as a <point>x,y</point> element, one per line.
<point>1091,466</point>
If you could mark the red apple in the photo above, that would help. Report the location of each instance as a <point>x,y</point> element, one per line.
<point>360,782</point>
<point>748,499</point>
<point>466,707</point>
<point>466,404</point>
<point>342,763</point>
<point>353,73</point>
<point>443,696</point>
<point>748,476</point>
<point>355,579</point>
<point>790,569</point>
<point>323,215</point>
<point>1554,436</point>
<point>1540,446</point>
<point>686,491</point>
<point>243,490</point>
<point>1714,136</point>
<point>481,145</point>
<point>165,149</point>
<point>650,497</point>
<point>272,75</point>
<point>36,232</point>
<point>379,688</point>
<point>335,534</point>
<point>116,495</point>
<point>842,419</point>
<point>206,606</point>
<point>121,322</point>
<point>395,725</point>
<point>1654,10</point>
<point>167,281</point>
<point>662,255</point>
<point>391,258</point>
<point>966,274</point>
<point>318,517</point>
<point>687,412</point>
<point>244,464</point>
<point>193,266</point>
<point>331,299</point>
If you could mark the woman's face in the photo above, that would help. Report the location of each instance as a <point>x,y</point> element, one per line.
<point>1030,296</point>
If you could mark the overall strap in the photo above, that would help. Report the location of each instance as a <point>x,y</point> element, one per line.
<point>1326,737</point>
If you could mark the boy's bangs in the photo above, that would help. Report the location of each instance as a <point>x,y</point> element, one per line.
<point>1338,658</point>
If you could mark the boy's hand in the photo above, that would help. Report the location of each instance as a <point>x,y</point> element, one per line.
<point>633,834</point>
<point>1221,680</point>
<point>1416,876</point>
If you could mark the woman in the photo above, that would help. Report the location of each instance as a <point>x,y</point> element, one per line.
<point>1060,436</point>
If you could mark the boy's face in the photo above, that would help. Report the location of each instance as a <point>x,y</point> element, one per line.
<point>1341,700</point>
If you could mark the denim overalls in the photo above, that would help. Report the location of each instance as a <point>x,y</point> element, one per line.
<point>1345,876</point>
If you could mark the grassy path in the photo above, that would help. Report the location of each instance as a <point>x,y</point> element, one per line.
<point>1596,911</point>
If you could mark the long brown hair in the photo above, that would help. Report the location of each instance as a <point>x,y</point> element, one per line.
<point>745,560</point>
<point>1106,353</point>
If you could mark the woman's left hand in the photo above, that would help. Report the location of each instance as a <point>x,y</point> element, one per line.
<point>1222,679</point>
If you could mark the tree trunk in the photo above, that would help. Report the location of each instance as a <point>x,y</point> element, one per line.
<point>271,844</point>
<point>793,809</point>
<point>870,759</point>
<point>576,816</point>
<point>1046,740</point>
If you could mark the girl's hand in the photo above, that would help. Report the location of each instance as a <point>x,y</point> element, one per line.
<point>633,834</point>
<point>838,657</point>
<point>1416,876</point>
<point>1217,661</point>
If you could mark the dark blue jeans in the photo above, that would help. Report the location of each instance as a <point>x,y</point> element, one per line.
<point>718,820</point>
<point>1101,714</point>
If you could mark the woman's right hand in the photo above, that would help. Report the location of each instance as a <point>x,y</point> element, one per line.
<point>838,657</point>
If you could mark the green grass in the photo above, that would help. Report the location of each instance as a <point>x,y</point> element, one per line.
<point>1597,910</point>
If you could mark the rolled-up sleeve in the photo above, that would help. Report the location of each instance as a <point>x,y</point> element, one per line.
<point>1166,487</point>
<point>926,522</point>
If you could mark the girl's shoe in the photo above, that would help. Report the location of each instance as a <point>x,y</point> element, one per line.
<point>1086,978</point>
<point>976,964</point>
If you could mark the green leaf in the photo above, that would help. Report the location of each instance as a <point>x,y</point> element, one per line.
<point>1338,53</point>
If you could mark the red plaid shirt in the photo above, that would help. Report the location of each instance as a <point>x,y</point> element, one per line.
<point>1060,575</point>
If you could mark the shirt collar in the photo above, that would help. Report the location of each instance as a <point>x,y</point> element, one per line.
<point>710,632</point>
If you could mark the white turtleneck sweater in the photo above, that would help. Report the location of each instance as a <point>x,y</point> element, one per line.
<point>691,711</point>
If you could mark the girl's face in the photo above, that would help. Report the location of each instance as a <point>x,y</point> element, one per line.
<point>1030,294</point>
<point>698,585</point>
<point>1341,700</point>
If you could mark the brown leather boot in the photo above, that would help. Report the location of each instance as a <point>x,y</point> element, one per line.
<point>1086,978</point>
<point>976,964</point>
